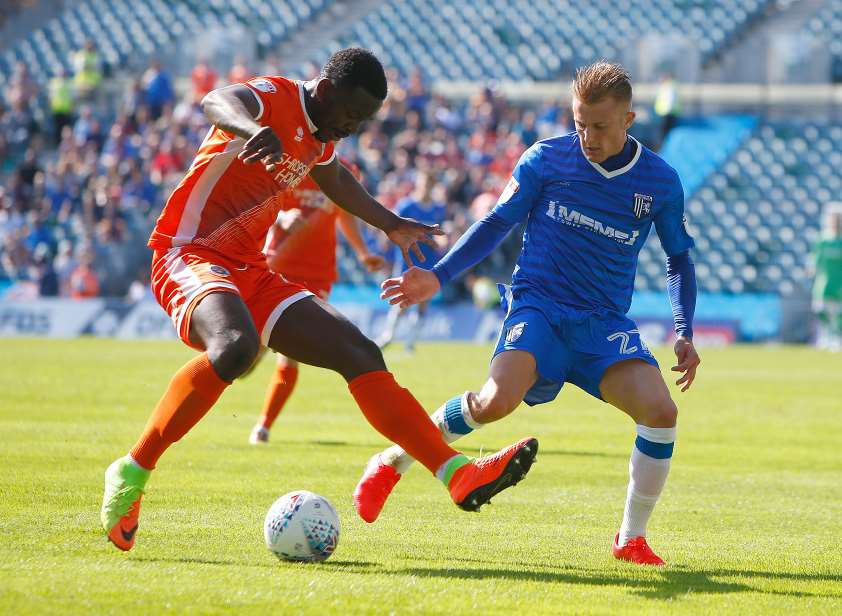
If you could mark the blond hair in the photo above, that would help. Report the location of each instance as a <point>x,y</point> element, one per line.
<point>601,80</point>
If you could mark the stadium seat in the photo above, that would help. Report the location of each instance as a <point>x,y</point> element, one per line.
<point>128,33</point>
<point>517,40</point>
<point>755,216</point>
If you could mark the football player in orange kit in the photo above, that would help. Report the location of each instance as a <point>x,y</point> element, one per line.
<point>301,246</point>
<point>210,275</point>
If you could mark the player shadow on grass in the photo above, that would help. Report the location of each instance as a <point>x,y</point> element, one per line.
<point>672,582</point>
<point>353,566</point>
<point>468,450</point>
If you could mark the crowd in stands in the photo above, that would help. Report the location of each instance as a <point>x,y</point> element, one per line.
<point>10,8</point>
<point>82,190</point>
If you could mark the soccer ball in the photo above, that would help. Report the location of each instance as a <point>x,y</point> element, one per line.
<point>301,526</point>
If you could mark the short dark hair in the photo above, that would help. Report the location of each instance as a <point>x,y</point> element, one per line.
<point>357,67</point>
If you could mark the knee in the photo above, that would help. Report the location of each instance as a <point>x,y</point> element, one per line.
<point>233,352</point>
<point>491,406</point>
<point>358,355</point>
<point>663,414</point>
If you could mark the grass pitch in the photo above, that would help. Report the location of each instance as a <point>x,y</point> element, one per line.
<point>750,521</point>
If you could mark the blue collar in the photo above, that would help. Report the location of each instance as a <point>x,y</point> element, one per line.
<point>623,158</point>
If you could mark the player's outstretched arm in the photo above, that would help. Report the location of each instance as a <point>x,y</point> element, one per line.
<point>233,109</point>
<point>341,187</point>
<point>681,284</point>
<point>418,285</point>
<point>414,286</point>
<point>350,228</point>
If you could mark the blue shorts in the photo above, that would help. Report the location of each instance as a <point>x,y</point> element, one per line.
<point>569,345</point>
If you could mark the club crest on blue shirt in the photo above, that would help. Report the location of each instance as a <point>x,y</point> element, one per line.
<point>515,332</point>
<point>642,205</point>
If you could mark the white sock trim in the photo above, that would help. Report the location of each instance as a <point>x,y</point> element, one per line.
<point>473,424</point>
<point>643,498</point>
<point>657,435</point>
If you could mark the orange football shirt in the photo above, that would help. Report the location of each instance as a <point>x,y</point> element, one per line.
<point>228,206</point>
<point>309,254</point>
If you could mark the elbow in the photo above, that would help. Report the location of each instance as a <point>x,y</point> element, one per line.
<point>207,102</point>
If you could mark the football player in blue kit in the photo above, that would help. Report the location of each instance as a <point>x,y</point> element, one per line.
<point>424,205</point>
<point>589,200</point>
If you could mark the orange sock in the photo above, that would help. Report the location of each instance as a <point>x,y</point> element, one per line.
<point>193,390</point>
<point>280,388</point>
<point>396,414</point>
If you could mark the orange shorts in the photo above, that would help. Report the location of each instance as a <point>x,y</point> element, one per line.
<point>319,288</point>
<point>182,276</point>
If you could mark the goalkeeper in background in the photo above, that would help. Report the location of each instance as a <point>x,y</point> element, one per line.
<point>827,287</point>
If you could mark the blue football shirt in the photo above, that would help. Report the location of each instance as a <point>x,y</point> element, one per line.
<point>585,225</point>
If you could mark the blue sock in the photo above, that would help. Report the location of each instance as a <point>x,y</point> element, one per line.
<point>454,418</point>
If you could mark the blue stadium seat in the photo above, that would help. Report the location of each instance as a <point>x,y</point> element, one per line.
<point>539,40</point>
<point>127,31</point>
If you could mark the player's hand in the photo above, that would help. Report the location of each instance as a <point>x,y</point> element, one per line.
<point>264,146</point>
<point>372,263</point>
<point>292,221</point>
<point>688,361</point>
<point>414,286</point>
<point>407,233</point>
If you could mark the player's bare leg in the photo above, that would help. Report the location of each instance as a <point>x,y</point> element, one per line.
<point>392,317</point>
<point>315,333</point>
<point>416,323</point>
<point>220,325</point>
<point>280,388</point>
<point>510,376</point>
<point>638,389</point>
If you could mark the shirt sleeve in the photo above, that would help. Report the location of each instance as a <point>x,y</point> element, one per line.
<point>523,188</point>
<point>681,286</point>
<point>671,225</point>
<point>265,91</point>
<point>477,242</point>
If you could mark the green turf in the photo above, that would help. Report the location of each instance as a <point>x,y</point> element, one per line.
<point>750,522</point>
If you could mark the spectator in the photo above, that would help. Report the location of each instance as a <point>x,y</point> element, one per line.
<point>88,70</point>
<point>417,95</point>
<point>28,168</point>
<point>84,281</point>
<point>239,71</point>
<point>65,264</point>
<point>60,91</point>
<point>157,89</point>
<point>203,79</point>
<point>134,98</point>
<point>667,105</point>
<point>85,127</point>
<point>19,126</point>
<point>44,273</point>
<point>526,129</point>
<point>21,88</point>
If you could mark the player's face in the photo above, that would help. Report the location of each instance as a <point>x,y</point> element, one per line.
<point>343,111</point>
<point>602,127</point>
